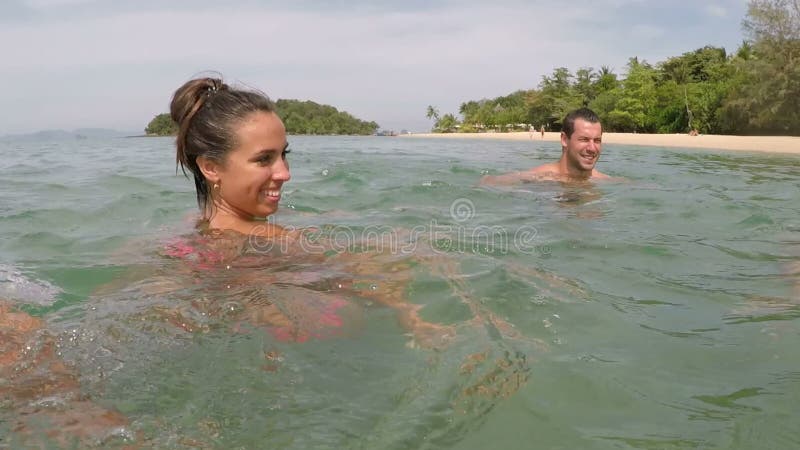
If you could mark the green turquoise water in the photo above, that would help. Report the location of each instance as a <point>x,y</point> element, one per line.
<point>656,312</point>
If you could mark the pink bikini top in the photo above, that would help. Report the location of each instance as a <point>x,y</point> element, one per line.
<point>201,256</point>
<point>317,317</point>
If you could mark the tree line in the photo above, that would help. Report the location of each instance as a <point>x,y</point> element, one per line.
<point>307,117</point>
<point>299,117</point>
<point>755,90</point>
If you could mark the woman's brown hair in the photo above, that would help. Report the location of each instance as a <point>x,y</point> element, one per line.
<point>207,112</point>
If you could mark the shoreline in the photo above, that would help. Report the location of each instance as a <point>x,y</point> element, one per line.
<point>764,144</point>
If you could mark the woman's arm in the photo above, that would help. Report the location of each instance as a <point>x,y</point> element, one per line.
<point>43,394</point>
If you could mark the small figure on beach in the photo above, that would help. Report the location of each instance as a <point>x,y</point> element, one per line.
<point>694,132</point>
<point>581,145</point>
<point>542,131</point>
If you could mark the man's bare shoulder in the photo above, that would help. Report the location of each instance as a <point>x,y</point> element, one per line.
<point>596,174</point>
<point>599,176</point>
<point>552,172</point>
<point>549,168</point>
<point>545,172</point>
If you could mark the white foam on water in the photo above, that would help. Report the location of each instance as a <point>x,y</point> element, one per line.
<point>16,287</point>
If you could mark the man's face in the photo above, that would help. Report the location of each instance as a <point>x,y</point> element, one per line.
<point>584,146</point>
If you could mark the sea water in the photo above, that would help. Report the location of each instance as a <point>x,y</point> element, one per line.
<point>660,310</point>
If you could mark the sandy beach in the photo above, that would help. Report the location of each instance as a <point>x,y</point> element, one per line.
<point>769,144</point>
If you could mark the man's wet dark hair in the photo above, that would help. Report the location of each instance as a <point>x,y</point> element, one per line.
<point>586,114</point>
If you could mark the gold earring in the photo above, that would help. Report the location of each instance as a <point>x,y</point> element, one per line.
<point>216,186</point>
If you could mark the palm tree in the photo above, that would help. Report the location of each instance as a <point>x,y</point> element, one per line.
<point>606,80</point>
<point>680,73</point>
<point>433,113</point>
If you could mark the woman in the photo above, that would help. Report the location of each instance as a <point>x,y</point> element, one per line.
<point>230,279</point>
<point>234,145</point>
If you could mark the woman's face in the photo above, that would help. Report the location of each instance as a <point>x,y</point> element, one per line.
<point>250,180</point>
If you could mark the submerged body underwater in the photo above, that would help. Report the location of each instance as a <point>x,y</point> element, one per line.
<point>413,308</point>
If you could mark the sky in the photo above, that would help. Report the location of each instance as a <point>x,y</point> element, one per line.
<point>67,64</point>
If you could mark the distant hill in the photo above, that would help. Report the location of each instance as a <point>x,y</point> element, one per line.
<point>101,133</point>
<point>60,135</point>
<point>307,117</point>
<point>299,117</point>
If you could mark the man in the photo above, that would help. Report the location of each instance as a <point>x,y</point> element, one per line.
<point>581,145</point>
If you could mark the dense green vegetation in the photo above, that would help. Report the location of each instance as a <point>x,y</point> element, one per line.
<point>753,91</point>
<point>312,118</point>
<point>161,125</point>
<point>299,118</point>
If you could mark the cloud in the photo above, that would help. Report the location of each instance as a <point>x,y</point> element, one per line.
<point>44,4</point>
<point>716,11</point>
<point>648,32</point>
<point>370,64</point>
<point>232,36</point>
<point>108,63</point>
<point>11,11</point>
